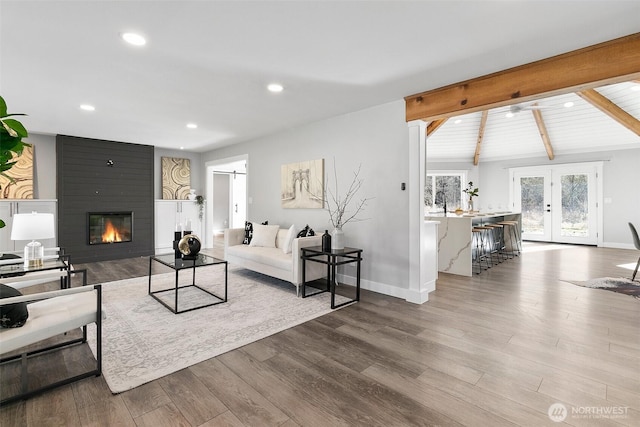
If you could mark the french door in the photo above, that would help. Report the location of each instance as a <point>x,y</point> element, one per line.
<point>558,203</point>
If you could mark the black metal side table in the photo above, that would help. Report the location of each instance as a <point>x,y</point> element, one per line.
<point>178,264</point>
<point>332,260</point>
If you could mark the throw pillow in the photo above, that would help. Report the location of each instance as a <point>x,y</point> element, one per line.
<point>248,231</point>
<point>288,241</point>
<point>264,235</point>
<point>12,315</point>
<point>306,232</point>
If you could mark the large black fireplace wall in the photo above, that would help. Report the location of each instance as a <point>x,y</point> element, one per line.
<point>103,176</point>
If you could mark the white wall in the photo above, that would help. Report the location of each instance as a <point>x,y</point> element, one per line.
<point>376,138</point>
<point>44,173</point>
<point>621,175</point>
<point>197,172</point>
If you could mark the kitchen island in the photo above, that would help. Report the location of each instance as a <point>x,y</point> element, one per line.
<point>455,238</point>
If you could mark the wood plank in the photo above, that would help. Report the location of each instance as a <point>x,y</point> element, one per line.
<point>192,398</point>
<point>435,125</point>
<point>164,416</point>
<point>248,406</point>
<point>542,129</point>
<point>610,109</point>
<point>483,123</point>
<point>146,398</point>
<point>613,61</point>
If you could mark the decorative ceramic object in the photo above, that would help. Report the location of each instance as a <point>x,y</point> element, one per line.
<point>337,239</point>
<point>189,246</point>
<point>192,194</point>
<point>326,241</point>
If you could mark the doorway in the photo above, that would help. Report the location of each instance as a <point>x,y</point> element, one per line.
<point>226,196</point>
<point>559,203</point>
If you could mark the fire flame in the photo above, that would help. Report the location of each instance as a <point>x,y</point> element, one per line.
<point>111,233</point>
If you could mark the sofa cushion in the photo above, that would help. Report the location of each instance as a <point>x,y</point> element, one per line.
<point>269,256</point>
<point>288,240</point>
<point>264,235</point>
<point>248,231</point>
<point>12,315</point>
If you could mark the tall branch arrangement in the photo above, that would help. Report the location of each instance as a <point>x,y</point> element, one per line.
<point>338,206</point>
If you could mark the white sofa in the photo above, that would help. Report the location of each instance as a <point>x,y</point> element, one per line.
<point>273,261</point>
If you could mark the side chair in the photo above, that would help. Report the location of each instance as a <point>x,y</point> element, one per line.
<point>636,242</point>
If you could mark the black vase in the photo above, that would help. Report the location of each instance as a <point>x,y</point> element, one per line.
<point>326,241</point>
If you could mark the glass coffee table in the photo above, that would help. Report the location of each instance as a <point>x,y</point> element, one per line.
<point>178,264</point>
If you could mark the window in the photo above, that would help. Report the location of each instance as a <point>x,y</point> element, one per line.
<point>441,186</point>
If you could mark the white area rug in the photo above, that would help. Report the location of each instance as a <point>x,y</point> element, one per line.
<point>142,340</point>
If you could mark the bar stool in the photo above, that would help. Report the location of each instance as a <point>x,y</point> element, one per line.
<point>497,241</point>
<point>480,236</point>
<point>514,236</point>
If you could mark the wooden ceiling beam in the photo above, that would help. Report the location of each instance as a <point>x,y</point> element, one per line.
<point>605,105</point>
<point>537,114</point>
<point>483,123</point>
<point>610,62</point>
<point>434,125</point>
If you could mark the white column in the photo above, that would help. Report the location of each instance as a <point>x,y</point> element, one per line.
<point>421,240</point>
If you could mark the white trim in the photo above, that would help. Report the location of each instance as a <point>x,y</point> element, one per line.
<point>616,245</point>
<point>370,285</point>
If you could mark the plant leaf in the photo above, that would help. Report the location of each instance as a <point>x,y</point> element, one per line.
<point>17,127</point>
<point>2,224</point>
<point>3,107</point>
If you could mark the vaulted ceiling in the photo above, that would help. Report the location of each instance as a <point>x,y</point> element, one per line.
<point>580,128</point>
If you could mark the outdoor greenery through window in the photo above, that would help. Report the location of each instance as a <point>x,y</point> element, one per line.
<point>443,186</point>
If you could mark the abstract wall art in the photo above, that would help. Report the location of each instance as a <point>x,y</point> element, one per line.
<point>176,178</point>
<point>20,186</point>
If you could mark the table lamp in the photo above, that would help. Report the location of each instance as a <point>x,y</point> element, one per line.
<point>32,226</point>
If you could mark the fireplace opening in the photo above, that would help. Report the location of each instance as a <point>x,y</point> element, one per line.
<point>110,227</point>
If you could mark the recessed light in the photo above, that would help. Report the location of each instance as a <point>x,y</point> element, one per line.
<point>275,87</point>
<point>87,107</point>
<point>458,121</point>
<point>568,104</point>
<point>182,148</point>
<point>192,125</point>
<point>509,114</point>
<point>635,87</point>
<point>134,39</point>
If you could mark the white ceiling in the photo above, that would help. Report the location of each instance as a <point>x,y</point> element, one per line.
<point>208,62</point>
<point>578,129</point>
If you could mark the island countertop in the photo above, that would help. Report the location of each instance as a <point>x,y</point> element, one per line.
<point>455,237</point>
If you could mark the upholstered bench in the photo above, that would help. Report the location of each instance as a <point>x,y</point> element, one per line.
<point>50,314</point>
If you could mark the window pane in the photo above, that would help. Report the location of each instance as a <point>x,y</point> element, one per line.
<point>532,194</point>
<point>428,192</point>
<point>575,205</point>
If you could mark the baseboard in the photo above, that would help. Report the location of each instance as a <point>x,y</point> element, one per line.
<point>381,288</point>
<point>392,291</point>
<point>615,245</point>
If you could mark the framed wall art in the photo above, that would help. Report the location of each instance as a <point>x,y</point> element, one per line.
<point>176,178</point>
<point>302,185</point>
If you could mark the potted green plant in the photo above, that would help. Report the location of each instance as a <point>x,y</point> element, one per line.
<point>471,192</point>
<point>11,144</point>
<point>199,200</point>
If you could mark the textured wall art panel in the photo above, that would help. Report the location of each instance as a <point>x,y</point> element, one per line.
<point>22,173</point>
<point>302,185</point>
<point>176,178</point>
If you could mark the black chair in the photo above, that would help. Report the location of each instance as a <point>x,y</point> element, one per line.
<point>636,242</point>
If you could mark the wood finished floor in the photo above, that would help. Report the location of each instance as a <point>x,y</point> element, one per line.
<point>492,350</point>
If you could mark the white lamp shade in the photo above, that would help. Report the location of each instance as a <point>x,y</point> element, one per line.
<point>32,226</point>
